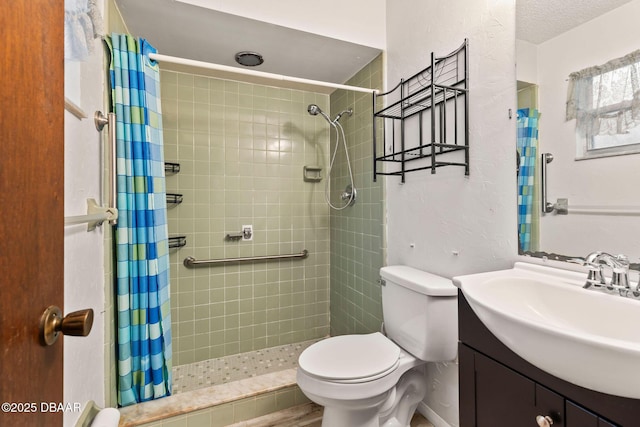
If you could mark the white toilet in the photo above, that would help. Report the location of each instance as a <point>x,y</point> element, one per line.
<point>374,380</point>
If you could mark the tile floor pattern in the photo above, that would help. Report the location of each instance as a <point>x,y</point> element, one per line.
<point>236,367</point>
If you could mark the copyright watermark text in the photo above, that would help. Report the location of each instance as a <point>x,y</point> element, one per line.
<point>31,407</point>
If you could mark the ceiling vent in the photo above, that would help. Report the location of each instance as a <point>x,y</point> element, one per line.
<point>249,59</point>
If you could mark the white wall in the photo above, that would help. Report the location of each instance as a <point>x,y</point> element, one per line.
<point>449,213</point>
<point>609,181</point>
<point>526,61</point>
<point>84,364</point>
<point>356,21</point>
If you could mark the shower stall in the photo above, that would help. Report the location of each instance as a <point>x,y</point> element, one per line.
<point>236,153</point>
<point>241,149</point>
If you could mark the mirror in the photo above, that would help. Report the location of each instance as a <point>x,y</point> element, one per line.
<point>601,195</point>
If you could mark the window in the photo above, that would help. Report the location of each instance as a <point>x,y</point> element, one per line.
<point>605,101</point>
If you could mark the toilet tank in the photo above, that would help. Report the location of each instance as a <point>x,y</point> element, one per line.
<point>420,312</point>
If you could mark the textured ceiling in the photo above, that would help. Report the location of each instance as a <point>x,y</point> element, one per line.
<point>540,20</point>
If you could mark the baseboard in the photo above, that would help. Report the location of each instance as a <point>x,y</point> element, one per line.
<point>429,414</point>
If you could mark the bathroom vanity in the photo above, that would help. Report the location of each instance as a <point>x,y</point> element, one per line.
<point>500,389</point>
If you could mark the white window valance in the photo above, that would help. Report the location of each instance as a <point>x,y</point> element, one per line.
<point>605,99</point>
<point>82,24</point>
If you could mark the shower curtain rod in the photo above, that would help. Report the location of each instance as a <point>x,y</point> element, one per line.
<point>271,76</point>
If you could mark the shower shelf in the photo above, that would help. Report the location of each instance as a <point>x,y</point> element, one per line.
<point>171,167</point>
<point>426,117</point>
<point>174,199</point>
<point>177,242</point>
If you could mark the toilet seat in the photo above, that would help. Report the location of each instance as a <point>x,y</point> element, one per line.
<point>351,358</point>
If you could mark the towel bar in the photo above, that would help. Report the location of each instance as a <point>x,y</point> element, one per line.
<point>95,216</point>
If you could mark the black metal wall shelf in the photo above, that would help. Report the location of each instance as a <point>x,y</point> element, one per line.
<point>171,167</point>
<point>177,242</point>
<point>174,199</point>
<point>425,118</point>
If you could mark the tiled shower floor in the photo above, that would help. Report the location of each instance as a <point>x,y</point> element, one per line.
<point>206,389</point>
<point>236,367</point>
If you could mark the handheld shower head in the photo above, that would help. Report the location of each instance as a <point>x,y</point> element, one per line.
<point>313,109</point>
<point>349,195</point>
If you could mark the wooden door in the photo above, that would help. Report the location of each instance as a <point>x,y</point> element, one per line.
<point>31,203</point>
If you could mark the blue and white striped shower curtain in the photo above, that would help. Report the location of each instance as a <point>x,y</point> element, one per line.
<point>527,144</point>
<point>141,237</point>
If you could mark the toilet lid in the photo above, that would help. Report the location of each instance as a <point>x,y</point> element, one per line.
<point>350,357</point>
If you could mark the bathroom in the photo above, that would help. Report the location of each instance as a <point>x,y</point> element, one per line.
<point>356,303</point>
<point>472,218</point>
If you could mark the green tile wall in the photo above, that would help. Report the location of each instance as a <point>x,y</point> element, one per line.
<point>357,233</point>
<point>242,148</point>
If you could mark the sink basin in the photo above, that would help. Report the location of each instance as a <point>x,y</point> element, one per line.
<point>542,314</point>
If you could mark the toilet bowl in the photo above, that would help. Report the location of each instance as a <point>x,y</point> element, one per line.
<point>354,399</point>
<point>373,380</point>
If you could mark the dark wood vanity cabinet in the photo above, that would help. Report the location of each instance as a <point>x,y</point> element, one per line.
<point>500,389</point>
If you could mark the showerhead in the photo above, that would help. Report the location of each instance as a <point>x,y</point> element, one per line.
<point>348,112</point>
<point>313,109</point>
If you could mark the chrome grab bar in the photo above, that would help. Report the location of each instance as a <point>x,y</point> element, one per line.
<point>547,207</point>
<point>113,201</point>
<point>192,262</point>
<point>100,121</point>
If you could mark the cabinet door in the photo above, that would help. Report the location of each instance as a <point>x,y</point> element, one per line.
<point>580,417</point>
<point>503,397</point>
<point>577,416</point>
<point>492,395</point>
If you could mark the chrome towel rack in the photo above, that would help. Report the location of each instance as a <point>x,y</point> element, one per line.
<point>100,121</point>
<point>97,214</point>
<point>192,262</point>
<point>562,206</point>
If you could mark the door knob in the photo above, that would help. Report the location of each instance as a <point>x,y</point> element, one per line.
<point>52,324</point>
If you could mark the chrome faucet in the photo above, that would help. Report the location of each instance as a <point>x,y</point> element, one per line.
<point>594,276</point>
<point>619,265</point>
<point>619,270</point>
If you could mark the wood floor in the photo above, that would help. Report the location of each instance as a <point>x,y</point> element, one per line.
<point>308,415</point>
